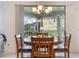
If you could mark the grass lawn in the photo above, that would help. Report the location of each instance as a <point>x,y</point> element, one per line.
<point>53,32</point>
<point>50,32</point>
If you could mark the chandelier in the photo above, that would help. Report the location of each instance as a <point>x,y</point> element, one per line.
<point>41,9</point>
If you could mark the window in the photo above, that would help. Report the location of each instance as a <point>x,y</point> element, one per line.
<point>52,23</point>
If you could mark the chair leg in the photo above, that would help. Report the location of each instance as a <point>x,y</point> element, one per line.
<point>65,54</point>
<point>68,54</point>
<point>21,54</point>
<point>53,56</point>
<point>17,54</point>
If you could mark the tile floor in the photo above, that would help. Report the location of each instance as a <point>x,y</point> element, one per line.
<point>13,55</point>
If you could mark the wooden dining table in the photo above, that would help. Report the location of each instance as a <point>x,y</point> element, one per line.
<point>30,43</point>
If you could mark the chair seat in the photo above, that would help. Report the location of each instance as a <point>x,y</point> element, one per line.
<point>26,48</point>
<point>60,49</point>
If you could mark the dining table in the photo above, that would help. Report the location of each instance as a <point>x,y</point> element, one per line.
<point>27,40</point>
<point>29,43</point>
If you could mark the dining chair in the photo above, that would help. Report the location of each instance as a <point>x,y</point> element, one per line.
<point>41,34</point>
<point>42,47</point>
<point>66,47</point>
<point>20,47</point>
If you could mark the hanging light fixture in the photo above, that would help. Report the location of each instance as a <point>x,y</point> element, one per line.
<point>40,9</point>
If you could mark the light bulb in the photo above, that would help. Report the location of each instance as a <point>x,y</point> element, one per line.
<point>46,11</point>
<point>38,11</point>
<point>50,8</point>
<point>34,9</point>
<point>40,7</point>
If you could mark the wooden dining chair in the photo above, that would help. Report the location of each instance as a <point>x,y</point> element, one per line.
<point>41,34</point>
<point>42,47</point>
<point>20,46</point>
<point>66,47</point>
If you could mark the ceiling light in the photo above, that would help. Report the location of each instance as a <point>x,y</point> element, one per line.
<point>41,9</point>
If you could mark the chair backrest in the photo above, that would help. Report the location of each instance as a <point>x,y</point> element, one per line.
<point>42,47</point>
<point>41,34</point>
<point>67,41</point>
<point>19,41</point>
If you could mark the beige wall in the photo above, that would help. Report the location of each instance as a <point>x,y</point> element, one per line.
<point>1,17</point>
<point>19,19</point>
<point>72,24</point>
<point>11,18</point>
<point>9,26</point>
